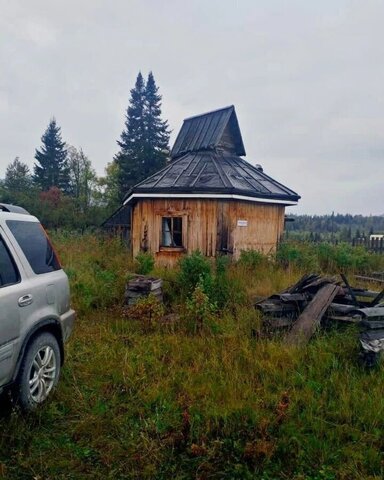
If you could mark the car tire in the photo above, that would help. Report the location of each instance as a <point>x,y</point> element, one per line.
<point>39,371</point>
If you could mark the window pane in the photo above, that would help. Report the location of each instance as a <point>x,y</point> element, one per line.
<point>35,246</point>
<point>8,272</point>
<point>166,237</point>
<point>177,224</point>
<point>177,239</point>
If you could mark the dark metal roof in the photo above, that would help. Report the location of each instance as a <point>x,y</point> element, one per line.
<point>205,132</point>
<point>215,173</point>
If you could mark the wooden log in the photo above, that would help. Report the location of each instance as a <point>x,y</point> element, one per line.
<point>369,279</point>
<point>361,292</point>
<point>340,308</point>
<point>269,307</point>
<point>318,283</point>
<point>293,297</point>
<point>349,288</point>
<point>309,320</point>
<point>297,287</point>
<point>378,298</point>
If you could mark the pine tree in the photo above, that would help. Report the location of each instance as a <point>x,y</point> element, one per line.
<point>51,169</point>
<point>156,130</point>
<point>144,141</point>
<point>130,159</point>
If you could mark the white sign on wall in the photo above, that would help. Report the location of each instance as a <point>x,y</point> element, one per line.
<point>242,223</point>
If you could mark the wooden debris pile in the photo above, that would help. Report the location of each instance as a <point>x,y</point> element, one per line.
<point>316,300</point>
<point>141,286</point>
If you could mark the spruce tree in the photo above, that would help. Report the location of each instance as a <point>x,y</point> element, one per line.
<point>144,141</point>
<point>156,130</point>
<point>130,159</point>
<point>51,169</point>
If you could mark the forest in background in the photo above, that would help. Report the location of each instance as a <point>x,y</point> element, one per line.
<point>337,227</point>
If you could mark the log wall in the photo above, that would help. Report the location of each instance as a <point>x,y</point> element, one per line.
<point>210,226</point>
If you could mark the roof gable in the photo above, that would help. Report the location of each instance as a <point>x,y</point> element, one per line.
<point>217,130</point>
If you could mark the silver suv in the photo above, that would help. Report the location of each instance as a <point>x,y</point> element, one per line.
<point>35,314</point>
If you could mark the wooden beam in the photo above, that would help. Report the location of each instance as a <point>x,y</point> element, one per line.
<point>309,320</point>
<point>369,279</point>
<point>351,293</point>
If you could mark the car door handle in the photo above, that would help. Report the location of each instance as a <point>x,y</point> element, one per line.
<point>25,300</point>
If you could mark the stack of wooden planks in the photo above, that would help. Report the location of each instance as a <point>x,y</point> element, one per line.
<point>141,286</point>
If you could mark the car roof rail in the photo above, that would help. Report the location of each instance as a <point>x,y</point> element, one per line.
<point>5,207</point>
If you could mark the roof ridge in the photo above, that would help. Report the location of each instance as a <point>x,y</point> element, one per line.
<point>229,107</point>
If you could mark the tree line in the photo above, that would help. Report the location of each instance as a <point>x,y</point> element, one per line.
<point>63,189</point>
<point>334,227</point>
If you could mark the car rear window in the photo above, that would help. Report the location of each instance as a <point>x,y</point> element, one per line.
<point>35,245</point>
<point>9,274</point>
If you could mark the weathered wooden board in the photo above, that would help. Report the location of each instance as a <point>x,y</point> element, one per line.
<point>309,320</point>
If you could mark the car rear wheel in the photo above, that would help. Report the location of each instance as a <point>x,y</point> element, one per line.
<point>39,372</point>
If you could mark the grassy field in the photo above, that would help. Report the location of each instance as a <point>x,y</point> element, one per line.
<point>161,400</point>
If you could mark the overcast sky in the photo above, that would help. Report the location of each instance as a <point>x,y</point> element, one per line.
<point>306,78</point>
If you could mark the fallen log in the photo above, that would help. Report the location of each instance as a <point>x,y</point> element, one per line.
<point>369,279</point>
<point>309,320</point>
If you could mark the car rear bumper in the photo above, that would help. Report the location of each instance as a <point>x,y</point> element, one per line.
<point>67,321</point>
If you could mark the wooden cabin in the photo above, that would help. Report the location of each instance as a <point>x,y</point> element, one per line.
<point>208,198</point>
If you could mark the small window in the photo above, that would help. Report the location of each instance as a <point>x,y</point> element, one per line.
<point>35,245</point>
<point>8,271</point>
<point>172,232</point>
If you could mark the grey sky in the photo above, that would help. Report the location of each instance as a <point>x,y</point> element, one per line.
<point>306,78</point>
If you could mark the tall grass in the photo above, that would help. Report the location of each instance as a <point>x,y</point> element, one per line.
<point>329,258</point>
<point>165,403</point>
<point>98,268</point>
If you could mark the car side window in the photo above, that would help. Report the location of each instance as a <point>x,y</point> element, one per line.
<point>9,274</point>
<point>35,245</point>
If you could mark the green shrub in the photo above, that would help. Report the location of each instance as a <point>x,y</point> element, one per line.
<point>195,269</point>
<point>200,310</point>
<point>222,288</point>
<point>251,258</point>
<point>144,263</point>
